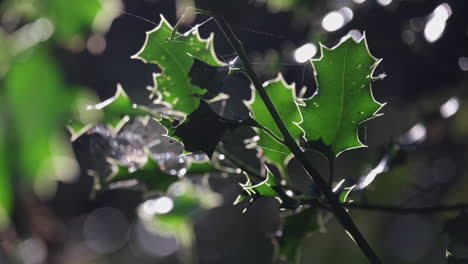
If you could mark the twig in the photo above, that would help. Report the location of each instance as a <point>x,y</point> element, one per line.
<point>410,210</point>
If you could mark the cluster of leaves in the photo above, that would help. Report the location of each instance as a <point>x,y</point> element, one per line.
<point>193,80</point>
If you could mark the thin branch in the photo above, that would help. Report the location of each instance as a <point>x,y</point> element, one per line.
<point>336,206</point>
<point>409,210</point>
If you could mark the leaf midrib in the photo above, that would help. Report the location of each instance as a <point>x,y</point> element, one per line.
<point>343,74</point>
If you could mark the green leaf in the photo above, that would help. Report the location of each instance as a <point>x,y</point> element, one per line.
<point>6,190</point>
<point>114,112</point>
<point>203,129</point>
<point>284,98</point>
<point>201,166</point>
<point>38,103</point>
<point>175,212</point>
<point>344,98</point>
<point>70,19</point>
<point>296,228</point>
<point>267,187</point>
<point>150,175</point>
<point>264,188</point>
<point>345,193</point>
<point>175,60</point>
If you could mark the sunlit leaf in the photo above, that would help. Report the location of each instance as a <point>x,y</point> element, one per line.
<point>344,98</point>
<point>285,101</point>
<point>114,112</point>
<point>150,175</point>
<point>345,193</point>
<point>174,57</point>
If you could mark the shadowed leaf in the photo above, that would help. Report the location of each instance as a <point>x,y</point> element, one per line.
<point>208,77</point>
<point>203,129</point>
<point>296,228</point>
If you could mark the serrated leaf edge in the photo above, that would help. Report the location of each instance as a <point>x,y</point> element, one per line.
<point>372,77</point>
<point>209,43</point>
<point>297,101</point>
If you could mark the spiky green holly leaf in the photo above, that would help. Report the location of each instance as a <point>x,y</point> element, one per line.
<point>284,98</point>
<point>296,228</point>
<point>344,98</point>
<point>264,188</point>
<point>268,187</point>
<point>150,175</point>
<point>114,112</point>
<point>175,58</point>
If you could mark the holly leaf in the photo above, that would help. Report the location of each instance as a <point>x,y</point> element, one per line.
<point>268,187</point>
<point>264,188</point>
<point>344,98</point>
<point>175,58</point>
<point>203,129</point>
<point>296,228</point>
<point>284,98</point>
<point>150,175</point>
<point>114,112</point>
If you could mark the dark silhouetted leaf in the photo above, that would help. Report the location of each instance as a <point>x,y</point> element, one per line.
<point>208,77</point>
<point>203,129</point>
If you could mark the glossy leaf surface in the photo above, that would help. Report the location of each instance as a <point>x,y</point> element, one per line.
<point>284,98</point>
<point>344,98</point>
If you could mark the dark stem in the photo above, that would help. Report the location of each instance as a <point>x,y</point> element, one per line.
<point>323,186</point>
<point>331,167</point>
<point>414,210</point>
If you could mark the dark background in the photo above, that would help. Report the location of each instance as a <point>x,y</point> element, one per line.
<point>421,76</point>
